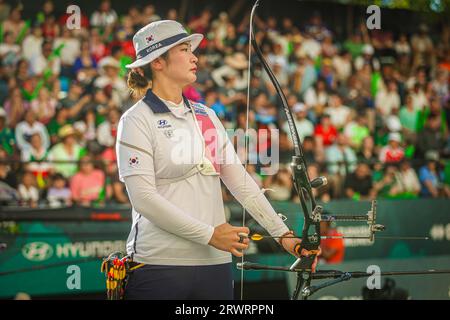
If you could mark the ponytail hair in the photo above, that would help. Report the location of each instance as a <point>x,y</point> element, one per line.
<point>140,79</point>
<point>138,83</point>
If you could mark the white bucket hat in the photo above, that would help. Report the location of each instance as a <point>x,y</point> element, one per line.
<point>158,37</point>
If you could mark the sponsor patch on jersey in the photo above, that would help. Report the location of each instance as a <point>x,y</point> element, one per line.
<point>168,133</point>
<point>162,124</point>
<point>199,109</point>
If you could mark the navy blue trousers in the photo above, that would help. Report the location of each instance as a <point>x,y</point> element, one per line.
<point>156,282</point>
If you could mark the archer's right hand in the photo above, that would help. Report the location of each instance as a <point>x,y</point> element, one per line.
<point>226,238</point>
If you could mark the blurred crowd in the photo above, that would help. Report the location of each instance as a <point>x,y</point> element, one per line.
<point>371,110</point>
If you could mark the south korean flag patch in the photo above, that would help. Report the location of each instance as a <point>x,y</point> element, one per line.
<point>133,162</point>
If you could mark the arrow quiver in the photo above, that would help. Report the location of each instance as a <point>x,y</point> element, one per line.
<point>117,268</point>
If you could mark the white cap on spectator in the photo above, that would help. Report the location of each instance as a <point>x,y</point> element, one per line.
<point>108,62</point>
<point>395,136</point>
<point>367,49</point>
<point>393,123</point>
<point>2,112</point>
<point>158,37</point>
<point>299,107</point>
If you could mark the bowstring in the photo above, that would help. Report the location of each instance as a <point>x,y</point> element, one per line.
<point>246,142</point>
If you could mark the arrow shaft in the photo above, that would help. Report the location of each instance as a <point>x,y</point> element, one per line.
<point>347,237</point>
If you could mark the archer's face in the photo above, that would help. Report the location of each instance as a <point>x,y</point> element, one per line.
<point>181,65</point>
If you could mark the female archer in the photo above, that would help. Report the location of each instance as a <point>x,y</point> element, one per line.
<point>172,154</point>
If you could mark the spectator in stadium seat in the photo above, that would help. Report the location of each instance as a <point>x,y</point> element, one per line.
<point>5,9</point>
<point>60,119</point>
<point>7,137</point>
<point>44,106</point>
<point>281,183</point>
<point>45,61</point>
<point>329,50</point>
<point>98,44</point>
<point>340,160</point>
<point>149,14</point>
<point>304,126</point>
<point>104,16</point>
<point>367,152</point>
<point>356,130</point>
<point>32,43</point>
<point>126,29</point>
<point>115,189</point>
<point>364,77</point>
<point>407,183</point>
<point>409,118</point>
<point>433,110</point>
<point>25,129</point>
<point>303,75</point>
<point>310,46</point>
<point>23,78</point>
<point>219,27</point>
<point>107,131</point>
<point>235,67</point>
<point>7,176</point>
<point>387,99</point>
<point>402,45</point>
<point>354,44</point>
<point>9,51</point>
<point>200,24</point>
<point>15,107</point>
<point>422,47</point>
<point>109,69</point>
<point>431,138</point>
<point>68,150</point>
<point>172,14</point>
<point>392,121</point>
<point>47,10</point>
<point>316,98</point>
<point>285,147</point>
<point>135,15</point>
<point>212,100</point>
<point>87,184</point>
<point>29,194</point>
<point>75,102</point>
<point>87,128</point>
<point>265,112</point>
<point>419,99</point>
<point>33,156</point>
<point>328,73</point>
<point>325,131</point>
<point>339,113</point>
<point>50,28</point>
<point>393,152</point>
<point>358,185</point>
<point>385,182</point>
<point>58,193</point>
<point>14,23</point>
<point>69,52</point>
<point>440,84</point>
<point>313,150</point>
<point>85,66</point>
<point>432,177</point>
<point>342,63</point>
<point>367,58</point>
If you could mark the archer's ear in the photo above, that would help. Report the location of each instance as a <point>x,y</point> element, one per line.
<point>157,64</point>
